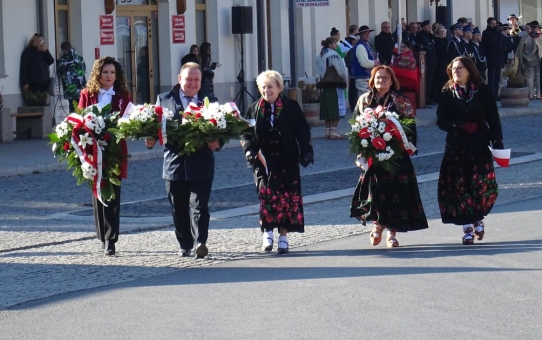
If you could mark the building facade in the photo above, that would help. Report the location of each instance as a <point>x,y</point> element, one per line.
<point>149,37</point>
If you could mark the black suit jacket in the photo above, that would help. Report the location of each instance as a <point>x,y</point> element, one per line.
<point>199,166</point>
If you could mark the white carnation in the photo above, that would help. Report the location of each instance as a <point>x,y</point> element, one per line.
<point>364,143</point>
<point>387,136</point>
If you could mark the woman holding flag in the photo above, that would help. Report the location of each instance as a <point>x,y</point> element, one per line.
<point>107,85</point>
<point>467,111</point>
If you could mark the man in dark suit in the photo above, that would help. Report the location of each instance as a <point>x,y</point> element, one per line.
<point>492,47</point>
<point>189,178</point>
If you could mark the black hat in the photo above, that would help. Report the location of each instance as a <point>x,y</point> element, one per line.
<point>506,26</point>
<point>425,23</point>
<point>511,16</point>
<point>364,28</point>
<point>462,19</point>
<point>534,24</point>
<point>476,30</point>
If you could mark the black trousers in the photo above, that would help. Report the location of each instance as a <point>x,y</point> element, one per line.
<point>352,94</point>
<point>190,208</point>
<point>429,77</point>
<point>493,80</point>
<point>107,219</point>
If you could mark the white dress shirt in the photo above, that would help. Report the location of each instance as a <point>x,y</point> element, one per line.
<point>105,97</point>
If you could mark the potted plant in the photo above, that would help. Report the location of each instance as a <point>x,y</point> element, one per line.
<point>516,92</point>
<point>311,103</point>
<point>35,118</point>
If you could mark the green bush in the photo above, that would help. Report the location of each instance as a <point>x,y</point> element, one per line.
<point>309,93</point>
<point>35,98</point>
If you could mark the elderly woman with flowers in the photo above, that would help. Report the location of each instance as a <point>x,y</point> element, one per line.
<point>467,188</point>
<point>387,196</point>
<point>278,141</point>
<point>107,85</point>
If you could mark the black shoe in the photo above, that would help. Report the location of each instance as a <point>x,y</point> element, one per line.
<point>185,252</point>
<point>109,248</point>
<point>201,251</point>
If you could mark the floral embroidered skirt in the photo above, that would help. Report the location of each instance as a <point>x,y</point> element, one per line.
<point>281,204</point>
<point>467,187</point>
<point>391,200</point>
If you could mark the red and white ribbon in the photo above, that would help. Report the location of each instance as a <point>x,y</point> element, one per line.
<point>96,161</point>
<point>400,134</point>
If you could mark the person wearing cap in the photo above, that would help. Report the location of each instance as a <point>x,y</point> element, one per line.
<point>384,44</point>
<point>529,53</point>
<point>425,42</point>
<point>455,47</point>
<point>479,57</point>
<point>467,188</point>
<point>466,39</point>
<point>492,46</point>
<point>363,61</point>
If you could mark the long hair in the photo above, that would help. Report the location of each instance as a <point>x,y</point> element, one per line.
<point>94,83</point>
<point>474,75</point>
<point>204,51</point>
<point>394,82</point>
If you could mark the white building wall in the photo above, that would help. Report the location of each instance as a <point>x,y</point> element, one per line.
<point>508,7</point>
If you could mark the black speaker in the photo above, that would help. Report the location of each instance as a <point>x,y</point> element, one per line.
<point>241,20</point>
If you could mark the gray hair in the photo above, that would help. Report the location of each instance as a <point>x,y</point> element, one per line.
<point>270,75</point>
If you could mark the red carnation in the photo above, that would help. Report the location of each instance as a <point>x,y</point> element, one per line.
<point>379,143</point>
<point>158,109</point>
<point>107,137</point>
<point>198,115</point>
<point>66,146</point>
<point>364,133</point>
<point>212,120</point>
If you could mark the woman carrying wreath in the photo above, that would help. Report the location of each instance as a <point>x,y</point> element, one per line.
<point>467,188</point>
<point>107,85</point>
<point>391,201</point>
<point>278,141</point>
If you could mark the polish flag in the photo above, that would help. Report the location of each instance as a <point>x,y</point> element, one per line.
<point>396,49</point>
<point>502,157</point>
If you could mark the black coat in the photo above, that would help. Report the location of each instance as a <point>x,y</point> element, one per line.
<point>492,46</point>
<point>384,44</point>
<point>292,125</point>
<point>189,58</point>
<point>453,112</point>
<point>199,166</point>
<point>455,48</point>
<point>35,66</point>
<point>425,42</point>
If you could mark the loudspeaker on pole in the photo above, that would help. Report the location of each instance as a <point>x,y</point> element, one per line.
<point>241,20</point>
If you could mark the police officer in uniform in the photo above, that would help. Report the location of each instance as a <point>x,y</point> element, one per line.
<point>456,47</point>
<point>478,54</point>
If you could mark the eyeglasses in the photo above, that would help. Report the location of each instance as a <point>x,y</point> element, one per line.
<point>385,78</point>
<point>459,68</point>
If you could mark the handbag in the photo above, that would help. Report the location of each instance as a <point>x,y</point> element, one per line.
<point>331,78</point>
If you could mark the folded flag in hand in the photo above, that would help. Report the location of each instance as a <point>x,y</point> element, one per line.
<point>502,157</point>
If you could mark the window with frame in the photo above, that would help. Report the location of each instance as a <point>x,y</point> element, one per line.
<point>201,21</point>
<point>62,24</point>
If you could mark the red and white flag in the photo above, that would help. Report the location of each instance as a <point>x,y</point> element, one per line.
<point>502,157</point>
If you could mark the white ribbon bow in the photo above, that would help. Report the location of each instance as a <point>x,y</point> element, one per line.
<point>109,92</point>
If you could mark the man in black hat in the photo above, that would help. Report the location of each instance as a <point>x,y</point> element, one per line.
<point>456,47</point>
<point>425,42</point>
<point>492,47</point>
<point>384,43</point>
<point>514,25</point>
<point>363,60</point>
<point>478,55</point>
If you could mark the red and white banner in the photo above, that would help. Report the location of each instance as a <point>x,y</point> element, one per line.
<point>177,22</point>
<point>106,22</point>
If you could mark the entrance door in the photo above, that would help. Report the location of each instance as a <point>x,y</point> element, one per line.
<point>136,48</point>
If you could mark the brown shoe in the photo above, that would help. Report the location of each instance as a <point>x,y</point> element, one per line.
<point>376,235</point>
<point>391,240</point>
<point>479,235</point>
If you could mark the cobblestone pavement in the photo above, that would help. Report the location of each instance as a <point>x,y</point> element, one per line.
<point>62,256</point>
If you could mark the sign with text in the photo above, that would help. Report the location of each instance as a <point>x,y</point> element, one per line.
<point>107,38</point>
<point>179,37</point>
<point>177,22</point>
<point>106,22</point>
<point>311,3</point>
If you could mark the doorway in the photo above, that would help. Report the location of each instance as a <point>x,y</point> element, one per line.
<point>137,52</point>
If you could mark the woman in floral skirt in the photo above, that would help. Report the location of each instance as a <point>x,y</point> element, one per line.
<point>391,201</point>
<point>278,141</point>
<point>467,111</point>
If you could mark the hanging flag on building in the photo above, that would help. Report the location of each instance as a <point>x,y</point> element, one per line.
<point>311,3</point>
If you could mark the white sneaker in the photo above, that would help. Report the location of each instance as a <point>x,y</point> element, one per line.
<point>267,241</point>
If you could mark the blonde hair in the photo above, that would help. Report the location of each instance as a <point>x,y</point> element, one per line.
<point>35,37</point>
<point>270,75</point>
<point>190,65</point>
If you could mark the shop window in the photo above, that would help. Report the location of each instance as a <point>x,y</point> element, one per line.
<point>201,21</point>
